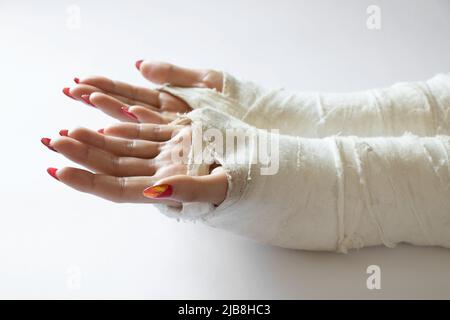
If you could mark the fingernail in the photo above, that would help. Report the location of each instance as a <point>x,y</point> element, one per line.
<point>52,172</point>
<point>102,131</point>
<point>46,142</point>
<point>64,132</point>
<point>159,191</point>
<point>138,64</point>
<point>76,80</point>
<point>126,111</point>
<point>87,100</point>
<point>66,91</point>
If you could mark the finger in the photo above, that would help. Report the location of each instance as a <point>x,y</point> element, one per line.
<point>210,188</point>
<point>132,94</point>
<point>144,131</point>
<point>168,104</point>
<point>145,115</point>
<point>117,189</point>
<point>161,73</point>
<point>118,146</point>
<point>82,89</point>
<point>111,106</point>
<point>121,111</point>
<point>101,161</point>
<point>127,94</point>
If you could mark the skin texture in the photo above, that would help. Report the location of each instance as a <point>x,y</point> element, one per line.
<point>148,105</point>
<point>128,157</point>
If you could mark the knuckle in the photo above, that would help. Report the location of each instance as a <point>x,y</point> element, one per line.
<point>210,78</point>
<point>159,146</point>
<point>96,97</point>
<point>156,130</point>
<point>121,190</point>
<point>168,70</point>
<point>87,153</point>
<point>152,166</point>
<point>115,163</point>
<point>139,130</point>
<point>134,92</point>
<point>94,184</point>
<point>129,146</point>
<point>78,132</point>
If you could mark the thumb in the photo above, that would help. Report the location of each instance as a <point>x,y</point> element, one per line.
<point>210,188</point>
<point>162,73</point>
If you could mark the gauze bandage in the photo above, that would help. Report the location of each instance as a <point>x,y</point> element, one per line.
<point>422,108</point>
<point>333,193</point>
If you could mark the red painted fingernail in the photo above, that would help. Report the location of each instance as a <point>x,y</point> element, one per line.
<point>126,111</point>
<point>46,142</point>
<point>76,80</point>
<point>138,64</point>
<point>64,132</point>
<point>87,100</point>
<point>158,191</point>
<point>66,91</point>
<point>102,131</point>
<point>52,172</point>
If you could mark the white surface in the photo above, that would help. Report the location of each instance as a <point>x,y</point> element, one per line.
<point>49,234</point>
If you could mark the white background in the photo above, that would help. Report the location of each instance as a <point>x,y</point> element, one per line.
<point>57,243</point>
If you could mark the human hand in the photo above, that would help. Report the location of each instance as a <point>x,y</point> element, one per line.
<point>129,158</point>
<point>141,104</point>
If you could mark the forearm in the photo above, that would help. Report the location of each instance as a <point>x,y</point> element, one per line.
<point>422,108</point>
<point>335,193</point>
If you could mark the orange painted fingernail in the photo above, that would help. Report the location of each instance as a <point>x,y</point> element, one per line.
<point>52,172</point>
<point>138,64</point>
<point>102,131</point>
<point>64,132</point>
<point>66,91</point>
<point>46,142</point>
<point>87,100</point>
<point>126,111</point>
<point>158,191</point>
<point>76,80</point>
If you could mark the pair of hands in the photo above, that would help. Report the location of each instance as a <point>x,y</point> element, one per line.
<point>132,161</point>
